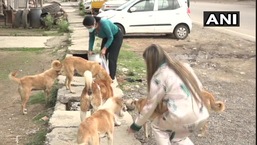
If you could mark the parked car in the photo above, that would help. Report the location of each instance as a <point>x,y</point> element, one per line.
<point>88,7</point>
<point>111,5</point>
<point>152,17</point>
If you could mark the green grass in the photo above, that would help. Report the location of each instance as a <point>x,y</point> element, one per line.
<point>39,137</point>
<point>134,64</point>
<point>23,49</point>
<point>38,98</point>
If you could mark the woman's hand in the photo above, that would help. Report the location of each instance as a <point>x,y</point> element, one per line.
<point>103,51</point>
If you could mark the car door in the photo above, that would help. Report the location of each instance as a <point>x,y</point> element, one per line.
<point>167,16</point>
<point>139,18</point>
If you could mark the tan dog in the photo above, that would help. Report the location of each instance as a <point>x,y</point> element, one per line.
<point>208,99</point>
<point>101,121</point>
<point>72,63</point>
<point>43,81</point>
<point>139,104</point>
<point>94,94</point>
<point>211,104</point>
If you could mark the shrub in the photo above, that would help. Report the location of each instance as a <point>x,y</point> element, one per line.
<point>63,26</point>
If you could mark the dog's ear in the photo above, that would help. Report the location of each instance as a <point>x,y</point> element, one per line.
<point>56,64</point>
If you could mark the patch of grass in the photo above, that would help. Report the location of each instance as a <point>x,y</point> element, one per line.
<point>38,138</point>
<point>24,32</point>
<point>131,61</point>
<point>38,98</point>
<point>23,49</point>
<point>131,65</point>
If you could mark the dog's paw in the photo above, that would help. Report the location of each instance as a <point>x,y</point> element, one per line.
<point>117,123</point>
<point>25,111</point>
<point>72,92</point>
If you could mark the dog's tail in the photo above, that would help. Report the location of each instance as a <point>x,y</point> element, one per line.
<point>12,76</point>
<point>88,80</point>
<point>209,100</point>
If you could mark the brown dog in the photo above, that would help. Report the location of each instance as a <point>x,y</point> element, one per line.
<point>211,104</point>
<point>43,81</point>
<point>139,104</point>
<point>208,99</point>
<point>94,94</point>
<point>101,121</point>
<point>72,63</point>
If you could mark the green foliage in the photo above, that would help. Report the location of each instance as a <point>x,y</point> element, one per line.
<point>39,98</point>
<point>82,9</point>
<point>48,21</point>
<point>63,26</point>
<point>38,138</point>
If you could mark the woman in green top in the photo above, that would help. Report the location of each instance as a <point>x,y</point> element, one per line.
<point>112,39</point>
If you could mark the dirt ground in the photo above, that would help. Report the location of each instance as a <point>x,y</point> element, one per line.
<point>225,64</point>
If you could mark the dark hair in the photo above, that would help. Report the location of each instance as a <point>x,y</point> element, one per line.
<point>89,20</point>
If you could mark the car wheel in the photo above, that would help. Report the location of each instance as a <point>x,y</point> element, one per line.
<point>181,31</point>
<point>121,28</point>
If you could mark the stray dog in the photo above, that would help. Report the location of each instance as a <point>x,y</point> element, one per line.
<point>211,104</point>
<point>94,94</point>
<point>208,99</point>
<point>101,121</point>
<point>43,81</point>
<point>139,104</point>
<point>72,63</point>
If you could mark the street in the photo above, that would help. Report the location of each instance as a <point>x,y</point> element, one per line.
<point>247,16</point>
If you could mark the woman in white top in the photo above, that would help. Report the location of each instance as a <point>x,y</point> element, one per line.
<point>175,85</point>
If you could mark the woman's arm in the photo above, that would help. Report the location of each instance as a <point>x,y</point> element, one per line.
<point>91,41</point>
<point>157,92</point>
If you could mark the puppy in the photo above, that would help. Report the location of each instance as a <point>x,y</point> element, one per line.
<point>139,104</point>
<point>208,99</point>
<point>94,94</point>
<point>43,81</point>
<point>101,121</point>
<point>72,63</point>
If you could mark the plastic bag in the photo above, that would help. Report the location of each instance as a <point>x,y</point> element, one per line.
<point>105,64</point>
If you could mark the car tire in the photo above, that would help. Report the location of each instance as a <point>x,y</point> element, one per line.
<point>121,28</point>
<point>181,31</point>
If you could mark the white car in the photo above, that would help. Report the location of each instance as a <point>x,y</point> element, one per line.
<point>111,5</point>
<point>152,17</point>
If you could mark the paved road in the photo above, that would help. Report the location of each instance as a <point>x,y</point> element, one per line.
<point>247,16</point>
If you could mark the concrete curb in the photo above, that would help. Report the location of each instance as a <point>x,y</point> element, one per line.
<point>64,123</point>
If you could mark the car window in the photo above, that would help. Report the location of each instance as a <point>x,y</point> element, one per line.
<point>168,4</point>
<point>123,6</point>
<point>146,5</point>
